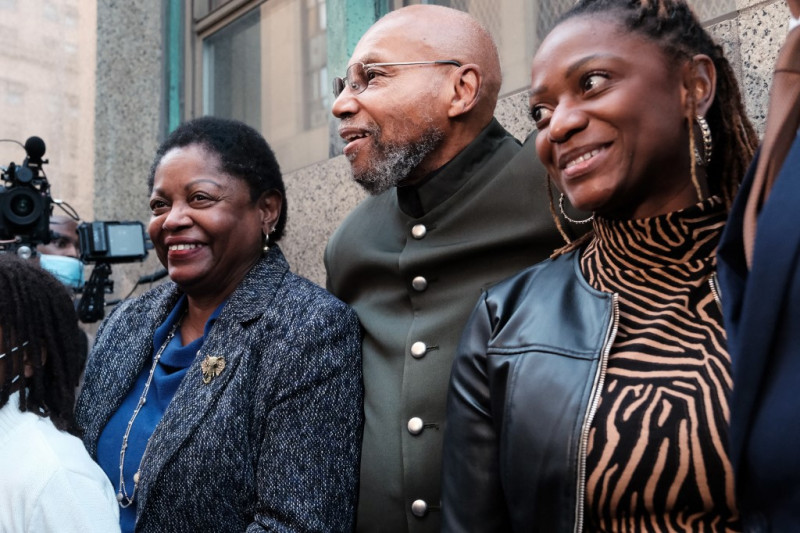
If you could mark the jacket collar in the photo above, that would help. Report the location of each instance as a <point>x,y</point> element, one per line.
<point>751,325</point>
<point>418,199</point>
<point>257,289</point>
<point>194,398</point>
<point>127,337</point>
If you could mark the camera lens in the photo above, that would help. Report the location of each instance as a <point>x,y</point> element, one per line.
<point>22,206</point>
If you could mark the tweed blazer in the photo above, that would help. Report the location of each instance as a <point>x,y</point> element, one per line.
<point>273,442</point>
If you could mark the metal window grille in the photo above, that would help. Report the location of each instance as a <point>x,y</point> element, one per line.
<point>486,11</point>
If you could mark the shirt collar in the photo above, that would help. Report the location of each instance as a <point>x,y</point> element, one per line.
<point>162,331</point>
<point>422,197</point>
<point>793,22</point>
<point>10,417</point>
<point>669,240</point>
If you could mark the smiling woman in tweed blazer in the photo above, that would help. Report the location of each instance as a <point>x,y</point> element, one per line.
<point>230,398</point>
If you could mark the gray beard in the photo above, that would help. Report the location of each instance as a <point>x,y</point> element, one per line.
<point>394,163</point>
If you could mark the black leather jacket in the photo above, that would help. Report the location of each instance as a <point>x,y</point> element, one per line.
<point>524,388</point>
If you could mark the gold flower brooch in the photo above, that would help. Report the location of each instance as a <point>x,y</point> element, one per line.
<point>212,367</point>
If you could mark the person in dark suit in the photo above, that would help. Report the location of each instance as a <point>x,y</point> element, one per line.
<point>759,271</point>
<point>230,398</point>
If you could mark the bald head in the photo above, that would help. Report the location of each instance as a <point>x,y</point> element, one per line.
<point>422,84</point>
<point>446,33</point>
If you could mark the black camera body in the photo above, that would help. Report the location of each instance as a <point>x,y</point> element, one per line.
<point>25,201</point>
<point>25,209</point>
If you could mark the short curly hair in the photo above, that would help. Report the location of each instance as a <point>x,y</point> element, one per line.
<point>242,151</point>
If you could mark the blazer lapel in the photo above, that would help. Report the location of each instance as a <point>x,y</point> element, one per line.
<point>194,399</point>
<point>765,294</point>
<point>130,344</point>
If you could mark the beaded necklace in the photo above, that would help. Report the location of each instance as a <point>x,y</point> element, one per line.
<point>122,494</point>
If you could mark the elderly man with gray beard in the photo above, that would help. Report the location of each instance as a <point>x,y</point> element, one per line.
<point>456,205</point>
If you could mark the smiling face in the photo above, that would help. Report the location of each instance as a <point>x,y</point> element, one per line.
<point>611,112</point>
<point>205,228</point>
<point>394,129</point>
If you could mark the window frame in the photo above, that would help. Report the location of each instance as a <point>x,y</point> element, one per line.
<point>197,30</point>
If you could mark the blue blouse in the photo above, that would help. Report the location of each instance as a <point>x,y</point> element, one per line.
<point>172,367</point>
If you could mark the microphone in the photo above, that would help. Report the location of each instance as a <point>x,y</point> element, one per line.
<point>35,148</point>
<point>155,276</point>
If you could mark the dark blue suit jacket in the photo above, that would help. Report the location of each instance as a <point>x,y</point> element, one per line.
<point>762,318</point>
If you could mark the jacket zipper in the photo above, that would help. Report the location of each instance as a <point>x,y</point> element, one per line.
<point>594,400</point>
<point>712,281</point>
<point>597,389</point>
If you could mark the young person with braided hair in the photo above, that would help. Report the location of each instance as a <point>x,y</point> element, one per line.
<point>48,482</point>
<point>589,392</point>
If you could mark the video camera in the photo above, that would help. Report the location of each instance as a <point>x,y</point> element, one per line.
<point>104,243</point>
<point>25,209</point>
<point>25,203</point>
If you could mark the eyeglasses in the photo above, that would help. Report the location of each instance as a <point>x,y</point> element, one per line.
<point>357,76</point>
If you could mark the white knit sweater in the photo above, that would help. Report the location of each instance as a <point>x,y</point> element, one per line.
<point>48,482</point>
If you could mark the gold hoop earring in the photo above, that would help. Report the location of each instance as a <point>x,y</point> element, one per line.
<point>708,144</point>
<point>566,216</point>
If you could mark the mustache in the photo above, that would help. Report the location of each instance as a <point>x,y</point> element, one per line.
<point>370,127</point>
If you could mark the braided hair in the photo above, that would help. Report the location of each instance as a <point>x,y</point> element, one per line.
<point>39,329</point>
<point>673,25</point>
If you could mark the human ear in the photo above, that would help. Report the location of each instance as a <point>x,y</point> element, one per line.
<point>28,368</point>
<point>699,85</point>
<point>466,81</point>
<point>270,204</point>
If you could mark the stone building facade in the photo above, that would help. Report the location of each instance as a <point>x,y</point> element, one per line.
<point>130,70</point>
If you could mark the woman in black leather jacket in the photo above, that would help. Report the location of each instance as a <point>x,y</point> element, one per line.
<point>590,391</point>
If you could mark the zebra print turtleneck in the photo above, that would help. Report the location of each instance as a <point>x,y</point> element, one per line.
<point>658,453</point>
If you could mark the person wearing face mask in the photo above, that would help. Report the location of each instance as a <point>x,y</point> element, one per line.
<point>590,391</point>
<point>61,255</point>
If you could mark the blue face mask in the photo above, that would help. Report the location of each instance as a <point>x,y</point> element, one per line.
<point>68,270</point>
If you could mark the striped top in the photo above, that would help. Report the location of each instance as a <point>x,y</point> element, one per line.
<point>658,455</point>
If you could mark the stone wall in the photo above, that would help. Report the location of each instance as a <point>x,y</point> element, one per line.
<point>127,121</point>
<point>319,196</point>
